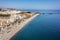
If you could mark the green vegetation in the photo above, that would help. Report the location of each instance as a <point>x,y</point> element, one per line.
<point>5,15</point>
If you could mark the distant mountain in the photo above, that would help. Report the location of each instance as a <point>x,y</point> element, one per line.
<point>42,11</point>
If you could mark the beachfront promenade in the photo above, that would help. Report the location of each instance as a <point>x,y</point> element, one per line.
<point>17,28</point>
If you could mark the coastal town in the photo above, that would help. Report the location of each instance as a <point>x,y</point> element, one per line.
<point>13,20</point>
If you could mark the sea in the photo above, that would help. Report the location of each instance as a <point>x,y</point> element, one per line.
<point>46,26</point>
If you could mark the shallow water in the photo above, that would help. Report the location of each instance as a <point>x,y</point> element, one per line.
<point>43,27</point>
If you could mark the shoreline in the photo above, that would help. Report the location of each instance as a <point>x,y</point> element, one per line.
<point>14,30</point>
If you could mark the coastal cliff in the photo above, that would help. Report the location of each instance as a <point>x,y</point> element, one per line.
<point>12,21</point>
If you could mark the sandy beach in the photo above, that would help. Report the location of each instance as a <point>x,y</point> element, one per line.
<point>15,29</point>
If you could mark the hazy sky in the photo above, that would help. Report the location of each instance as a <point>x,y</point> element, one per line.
<point>31,4</point>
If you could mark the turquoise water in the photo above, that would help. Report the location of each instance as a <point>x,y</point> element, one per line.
<point>44,27</point>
